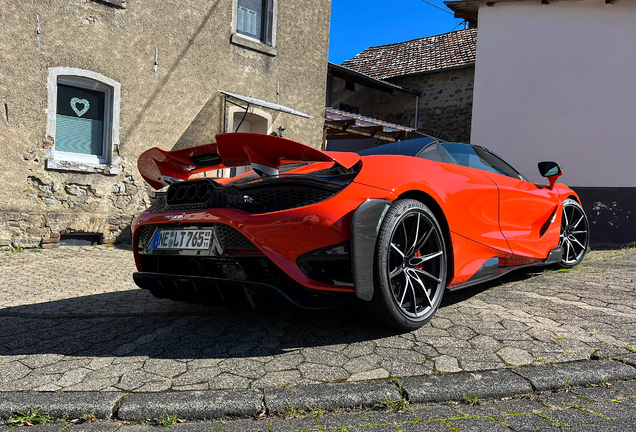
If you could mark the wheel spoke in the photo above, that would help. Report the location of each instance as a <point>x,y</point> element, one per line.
<point>413,298</point>
<point>398,270</point>
<point>416,261</point>
<point>411,250</point>
<point>565,215</point>
<point>572,238</point>
<point>397,249</point>
<point>426,275</point>
<point>424,239</point>
<point>406,288</point>
<point>578,222</point>
<point>406,237</point>
<point>422,287</point>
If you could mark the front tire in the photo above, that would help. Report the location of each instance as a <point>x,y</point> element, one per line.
<point>410,266</point>
<point>575,233</point>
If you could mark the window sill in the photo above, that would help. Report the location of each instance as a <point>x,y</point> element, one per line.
<point>85,167</point>
<point>117,3</point>
<point>245,42</point>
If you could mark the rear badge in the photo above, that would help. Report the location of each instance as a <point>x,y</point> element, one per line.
<point>181,216</point>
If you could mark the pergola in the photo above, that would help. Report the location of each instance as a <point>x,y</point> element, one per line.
<point>344,125</point>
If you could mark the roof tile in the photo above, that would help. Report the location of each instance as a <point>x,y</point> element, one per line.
<point>427,54</point>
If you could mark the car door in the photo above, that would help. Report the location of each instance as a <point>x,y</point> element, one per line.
<point>528,213</point>
<point>527,216</point>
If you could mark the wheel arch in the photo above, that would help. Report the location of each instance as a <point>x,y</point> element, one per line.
<point>434,206</point>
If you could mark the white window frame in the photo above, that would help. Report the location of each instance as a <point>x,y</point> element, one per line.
<point>250,42</point>
<point>108,162</point>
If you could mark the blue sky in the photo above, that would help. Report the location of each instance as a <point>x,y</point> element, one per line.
<point>358,24</point>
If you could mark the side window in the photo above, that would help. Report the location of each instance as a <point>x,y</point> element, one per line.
<point>83,121</point>
<point>435,153</point>
<point>476,157</point>
<point>255,19</point>
<point>497,163</point>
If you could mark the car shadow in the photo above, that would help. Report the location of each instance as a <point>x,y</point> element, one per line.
<point>454,297</point>
<point>133,323</point>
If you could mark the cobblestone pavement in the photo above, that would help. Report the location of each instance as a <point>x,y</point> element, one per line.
<point>73,320</point>
<point>609,408</point>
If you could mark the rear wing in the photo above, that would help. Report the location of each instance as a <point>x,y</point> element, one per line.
<point>265,153</point>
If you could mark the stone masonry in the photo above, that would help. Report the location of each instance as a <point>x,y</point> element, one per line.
<point>445,103</point>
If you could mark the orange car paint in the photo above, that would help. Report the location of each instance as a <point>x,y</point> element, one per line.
<point>489,215</point>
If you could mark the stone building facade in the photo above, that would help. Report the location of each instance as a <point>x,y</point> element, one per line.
<point>441,68</point>
<point>445,105</point>
<point>86,86</point>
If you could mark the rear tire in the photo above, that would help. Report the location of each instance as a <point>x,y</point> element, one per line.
<point>410,266</point>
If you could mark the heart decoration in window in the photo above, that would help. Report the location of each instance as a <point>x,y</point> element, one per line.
<point>84,102</point>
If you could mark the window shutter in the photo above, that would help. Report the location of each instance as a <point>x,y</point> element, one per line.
<point>78,135</point>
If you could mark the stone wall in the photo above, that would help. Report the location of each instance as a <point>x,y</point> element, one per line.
<point>179,106</point>
<point>445,104</point>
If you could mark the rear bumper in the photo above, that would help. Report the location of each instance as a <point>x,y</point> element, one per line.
<point>281,236</point>
<point>217,291</point>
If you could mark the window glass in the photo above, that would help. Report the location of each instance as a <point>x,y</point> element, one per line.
<point>479,158</point>
<point>497,163</point>
<point>431,153</point>
<point>410,147</point>
<point>254,19</point>
<point>79,126</point>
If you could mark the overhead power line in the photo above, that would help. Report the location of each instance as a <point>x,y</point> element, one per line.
<point>440,8</point>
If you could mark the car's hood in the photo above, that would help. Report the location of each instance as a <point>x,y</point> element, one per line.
<point>157,166</point>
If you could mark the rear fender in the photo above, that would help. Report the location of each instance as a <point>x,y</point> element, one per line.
<point>365,225</point>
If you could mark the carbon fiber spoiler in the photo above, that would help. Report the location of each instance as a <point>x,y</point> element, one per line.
<point>264,153</point>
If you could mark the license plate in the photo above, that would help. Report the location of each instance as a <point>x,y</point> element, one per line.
<point>185,239</point>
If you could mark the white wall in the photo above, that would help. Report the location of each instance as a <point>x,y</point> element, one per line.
<point>558,82</point>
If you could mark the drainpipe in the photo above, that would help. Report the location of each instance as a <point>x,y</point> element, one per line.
<point>417,110</point>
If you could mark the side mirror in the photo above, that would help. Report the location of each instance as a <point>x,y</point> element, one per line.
<point>551,170</point>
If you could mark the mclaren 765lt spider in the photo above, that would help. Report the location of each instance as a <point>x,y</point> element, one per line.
<point>394,225</point>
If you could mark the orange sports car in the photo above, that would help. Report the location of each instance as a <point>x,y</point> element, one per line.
<point>394,225</point>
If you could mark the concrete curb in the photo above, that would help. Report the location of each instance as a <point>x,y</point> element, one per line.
<point>198,405</point>
<point>330,396</point>
<point>558,376</point>
<point>101,405</point>
<point>191,405</point>
<point>483,385</point>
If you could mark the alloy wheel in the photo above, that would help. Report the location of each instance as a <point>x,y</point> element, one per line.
<point>574,233</point>
<point>415,266</point>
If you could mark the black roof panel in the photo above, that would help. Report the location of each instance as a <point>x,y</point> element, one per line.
<point>405,148</point>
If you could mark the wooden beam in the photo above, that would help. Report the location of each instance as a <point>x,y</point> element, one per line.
<point>344,136</point>
<point>335,126</point>
<point>344,122</point>
<point>396,134</point>
<point>384,137</point>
